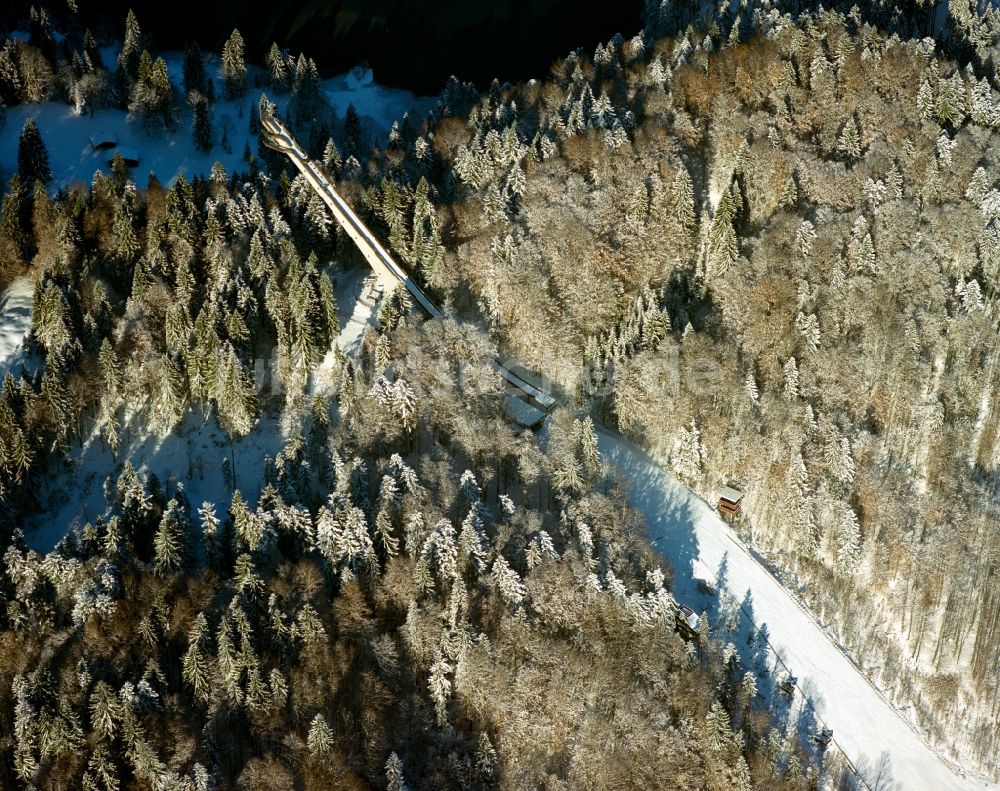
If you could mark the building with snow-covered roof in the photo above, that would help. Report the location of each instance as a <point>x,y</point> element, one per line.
<point>103,139</point>
<point>730,501</point>
<point>522,413</point>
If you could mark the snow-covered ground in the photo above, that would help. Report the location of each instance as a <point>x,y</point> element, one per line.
<point>193,453</point>
<point>357,309</point>
<point>358,295</point>
<point>195,450</point>
<point>15,321</point>
<point>73,159</point>
<point>706,554</point>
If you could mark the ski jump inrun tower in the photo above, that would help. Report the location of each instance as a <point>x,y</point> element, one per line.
<point>535,402</point>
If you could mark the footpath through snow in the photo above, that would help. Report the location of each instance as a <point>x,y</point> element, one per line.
<point>700,546</point>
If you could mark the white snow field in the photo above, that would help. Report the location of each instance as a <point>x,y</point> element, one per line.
<point>192,453</point>
<point>15,321</point>
<point>703,549</point>
<point>358,296</point>
<point>67,135</point>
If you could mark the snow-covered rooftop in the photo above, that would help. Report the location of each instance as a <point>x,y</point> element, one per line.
<point>103,138</point>
<point>522,413</point>
<point>730,494</point>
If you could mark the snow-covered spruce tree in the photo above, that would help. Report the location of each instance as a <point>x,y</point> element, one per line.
<point>278,70</point>
<point>508,582</point>
<point>10,75</point>
<point>127,71</point>
<point>32,156</point>
<point>308,101</point>
<point>688,454</point>
<point>171,544</point>
<point>153,98</point>
<point>849,542</point>
<point>234,394</point>
<point>394,774</point>
<point>234,69</point>
<point>195,664</point>
<point>320,738</point>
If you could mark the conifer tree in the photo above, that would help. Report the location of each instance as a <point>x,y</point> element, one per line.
<point>508,582</point>
<point>104,710</point>
<point>688,455</point>
<point>307,97</point>
<point>153,97</point>
<point>234,394</point>
<point>13,215</point>
<point>101,774</point>
<point>849,142</point>
<point>201,128</point>
<point>320,738</point>
<point>849,538</point>
<point>195,77</point>
<point>394,774</point>
<point>10,75</point>
<point>171,545</point>
<point>440,688</point>
<point>195,664</point>
<point>234,70</point>
<point>32,156</point>
<point>128,58</point>
<point>277,69</point>
<point>352,133</point>
<point>214,542</point>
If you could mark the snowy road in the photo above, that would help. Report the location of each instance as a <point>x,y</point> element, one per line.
<point>698,543</point>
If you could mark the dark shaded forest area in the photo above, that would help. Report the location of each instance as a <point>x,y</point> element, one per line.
<point>478,42</point>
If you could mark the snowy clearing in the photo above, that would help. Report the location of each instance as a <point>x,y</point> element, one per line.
<point>195,450</point>
<point>15,322</point>
<point>67,135</point>
<point>358,294</point>
<point>357,302</point>
<point>706,554</point>
<point>194,453</point>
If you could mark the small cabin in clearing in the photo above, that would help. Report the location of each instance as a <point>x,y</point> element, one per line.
<point>129,155</point>
<point>687,622</point>
<point>730,502</point>
<point>522,413</point>
<point>103,140</point>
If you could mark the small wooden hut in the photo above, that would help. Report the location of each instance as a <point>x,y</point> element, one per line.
<point>730,502</point>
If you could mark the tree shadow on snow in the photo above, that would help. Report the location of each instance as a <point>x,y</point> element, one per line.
<point>195,452</point>
<point>877,772</point>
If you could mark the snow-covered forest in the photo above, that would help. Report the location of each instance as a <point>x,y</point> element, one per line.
<point>773,261</point>
<point>760,240</point>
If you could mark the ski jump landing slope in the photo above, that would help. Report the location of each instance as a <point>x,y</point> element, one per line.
<point>697,543</point>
